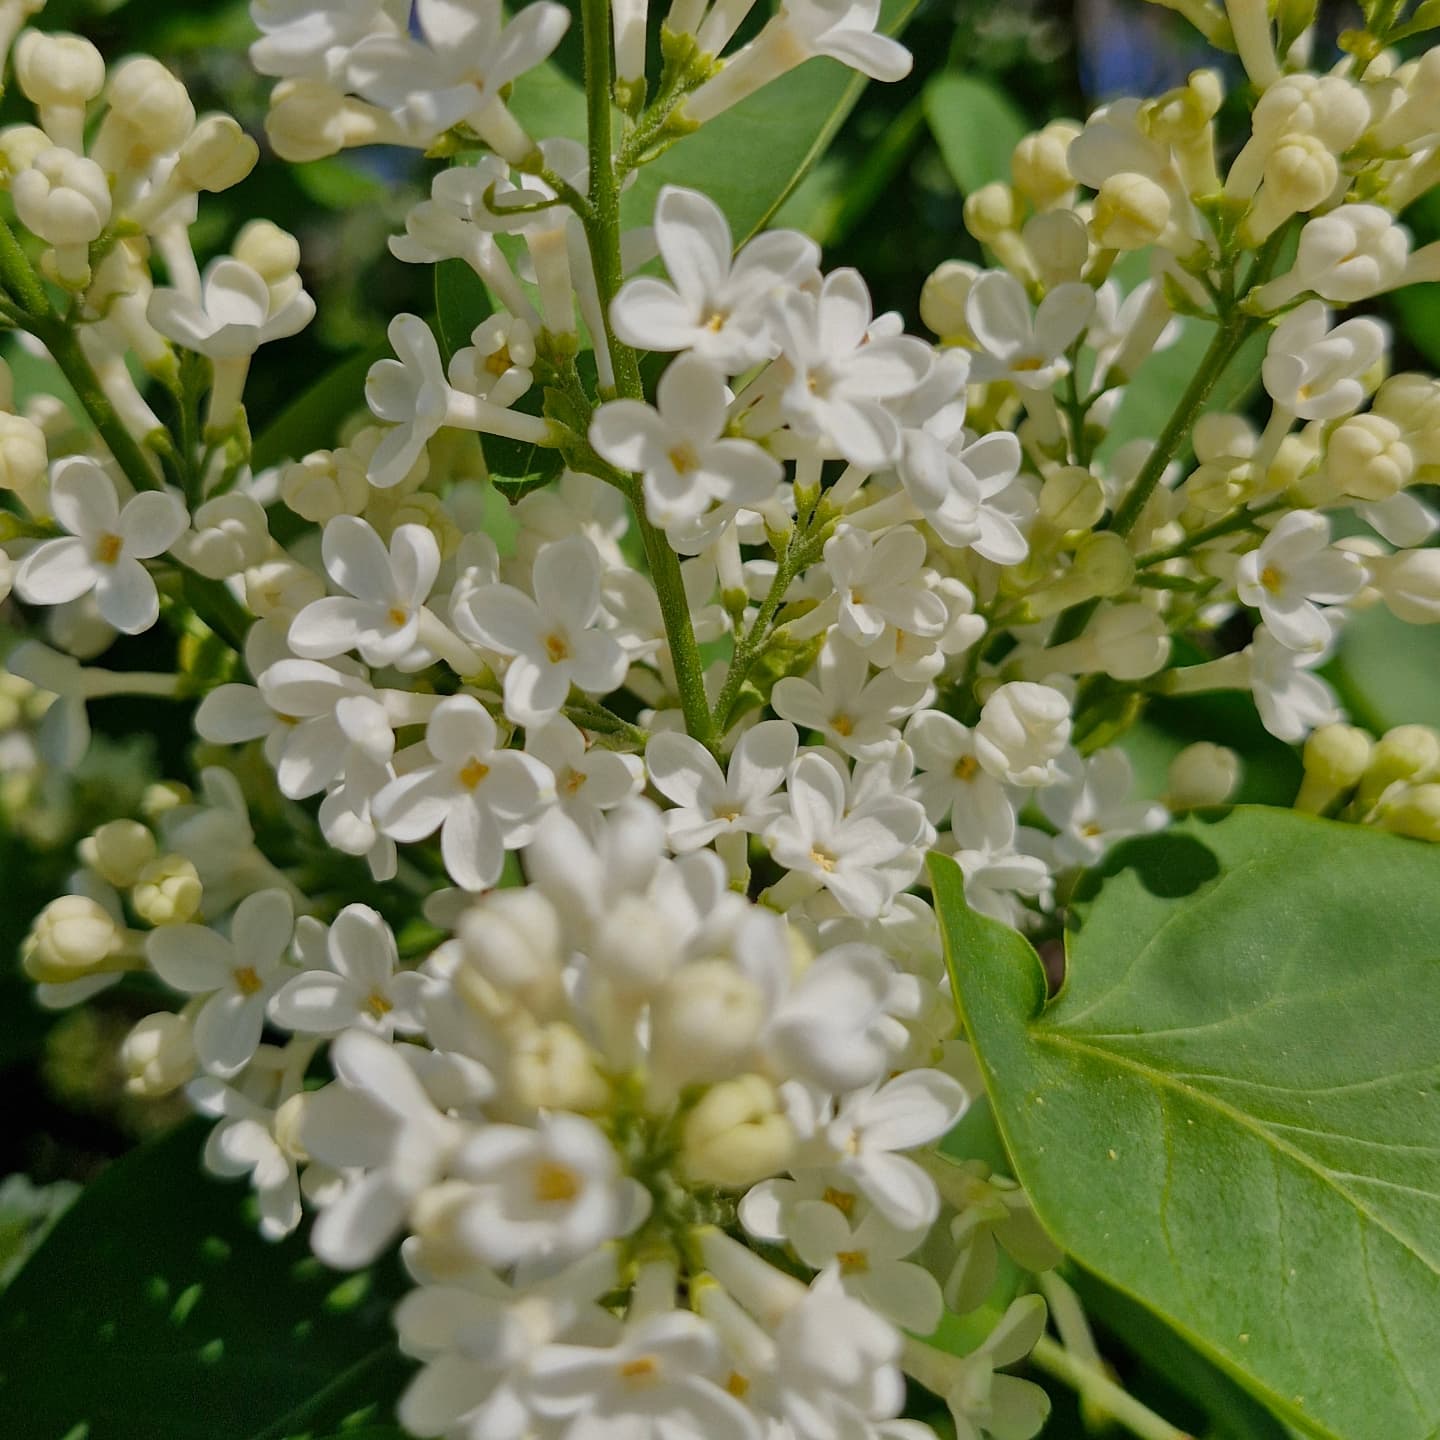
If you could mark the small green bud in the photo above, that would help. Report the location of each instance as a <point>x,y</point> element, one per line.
<point>1414,812</point>
<point>1335,758</point>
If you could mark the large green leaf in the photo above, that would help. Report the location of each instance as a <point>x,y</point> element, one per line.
<point>312,420</point>
<point>1388,672</point>
<point>153,1311</point>
<point>976,127</point>
<point>1232,1110</point>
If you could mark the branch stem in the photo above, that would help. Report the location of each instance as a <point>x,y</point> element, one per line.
<point>1100,1391</point>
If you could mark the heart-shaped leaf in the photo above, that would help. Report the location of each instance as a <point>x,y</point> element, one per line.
<point>1232,1110</point>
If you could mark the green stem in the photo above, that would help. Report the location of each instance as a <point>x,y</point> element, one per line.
<point>1241,520</point>
<point>19,276</point>
<point>1100,1391</point>
<point>602,230</point>
<point>1231,334</point>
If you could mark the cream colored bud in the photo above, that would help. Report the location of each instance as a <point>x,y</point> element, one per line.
<point>309,120</point>
<point>318,488</point>
<point>1300,173</point>
<point>387,511</point>
<point>1336,757</point>
<point>268,250</point>
<point>1409,584</point>
<point>704,1022</point>
<point>163,797</point>
<point>513,938</point>
<point>1185,113</point>
<point>152,105</point>
<point>62,198</point>
<point>1408,752</point>
<point>217,155</point>
<point>167,891</point>
<point>991,211</point>
<point>1058,245</point>
<point>943,297</point>
<point>19,147</point>
<point>62,70</point>
<point>288,1127</point>
<point>1369,458</point>
<point>438,1248</point>
<point>1415,812</point>
<point>1106,562</point>
<point>737,1135</point>
<point>1072,498</point>
<point>230,534</point>
<point>1202,774</point>
<point>158,1055</point>
<point>119,850</point>
<point>552,1068</point>
<point>1039,166</point>
<point>71,936</point>
<point>280,587</point>
<point>1128,642</point>
<point>24,461</point>
<point>1131,211</point>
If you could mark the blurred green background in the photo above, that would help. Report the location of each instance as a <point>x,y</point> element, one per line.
<point>886,198</point>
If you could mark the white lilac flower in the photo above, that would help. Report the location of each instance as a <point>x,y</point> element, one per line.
<point>880,584</point>
<point>1025,346</point>
<point>360,986</point>
<point>1292,701</point>
<point>856,713</point>
<point>714,305</point>
<point>665,1376</point>
<point>234,316</point>
<point>482,798</point>
<point>1316,372</point>
<point>845,848</point>
<point>871,1127</point>
<point>550,1194</point>
<point>680,449</point>
<point>553,639</point>
<point>386,593</point>
<point>842,372</point>
<point>237,976</point>
<point>1294,571</point>
<point>1092,807</point>
<point>710,802</point>
<point>869,1257</point>
<point>966,491</point>
<point>998,875</point>
<point>314,38</point>
<point>104,549</point>
<point>589,779</point>
<point>377,1126</point>
<point>951,780</point>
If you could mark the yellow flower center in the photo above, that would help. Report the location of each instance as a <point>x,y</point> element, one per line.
<point>473,773</point>
<point>378,1005</point>
<point>853,1262</point>
<point>965,767</point>
<point>823,858</point>
<point>555,1184</point>
<point>557,647</point>
<point>1272,580</point>
<point>247,982</point>
<point>108,548</point>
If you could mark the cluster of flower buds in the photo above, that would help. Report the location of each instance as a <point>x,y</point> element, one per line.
<point>647,1056</point>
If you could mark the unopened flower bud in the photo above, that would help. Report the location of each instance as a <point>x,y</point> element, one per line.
<point>1300,174</point>
<point>1415,812</point>
<point>64,199</point>
<point>268,250</point>
<point>231,534</point>
<point>19,147</point>
<point>513,939</point>
<point>1058,245</point>
<point>1038,165</point>
<point>162,797</point>
<point>1369,457</point>
<point>71,936</point>
<point>309,120</point>
<point>942,300</point>
<point>151,105</point>
<point>1335,756</point>
<point>704,1022</point>
<point>167,891</point>
<point>60,74</point>
<point>1131,211</point>
<point>158,1055</point>
<point>280,587</point>
<point>737,1135</point>
<point>1073,498</point>
<point>24,461</point>
<point>552,1068</point>
<point>991,211</point>
<point>1023,728</point>
<point>217,155</point>
<point>1408,752</point>
<point>318,489</point>
<point>1409,584</point>
<point>1128,642</point>
<point>1106,563</point>
<point>1202,774</point>
<point>119,850</point>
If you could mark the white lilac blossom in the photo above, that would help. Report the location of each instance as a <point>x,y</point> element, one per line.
<point>581,947</point>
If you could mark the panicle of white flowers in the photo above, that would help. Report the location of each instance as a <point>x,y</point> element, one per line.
<point>647,1063</point>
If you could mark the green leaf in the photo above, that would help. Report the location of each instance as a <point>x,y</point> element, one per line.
<point>1386,670</point>
<point>153,1309</point>
<point>976,127</point>
<point>461,303</point>
<point>749,159</point>
<point>1231,1111</point>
